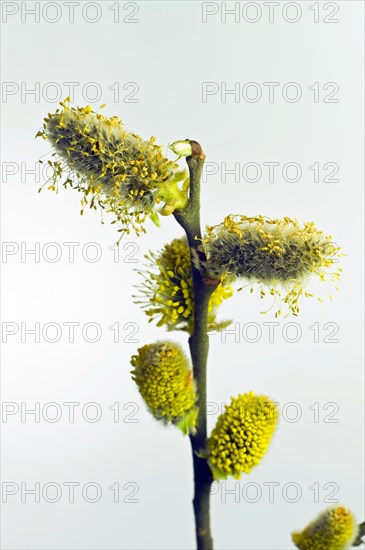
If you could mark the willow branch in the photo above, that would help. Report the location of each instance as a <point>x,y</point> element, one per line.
<point>189,219</point>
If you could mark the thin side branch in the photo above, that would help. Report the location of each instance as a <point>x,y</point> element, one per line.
<point>361,534</point>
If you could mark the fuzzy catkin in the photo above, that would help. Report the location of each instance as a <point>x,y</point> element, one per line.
<point>334,529</point>
<point>112,168</point>
<point>165,381</point>
<point>279,255</point>
<point>242,435</point>
<point>167,290</point>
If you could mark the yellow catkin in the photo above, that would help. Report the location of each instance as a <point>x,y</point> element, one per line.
<point>167,295</point>
<point>275,254</point>
<point>165,381</point>
<point>334,529</point>
<point>114,170</point>
<point>242,435</point>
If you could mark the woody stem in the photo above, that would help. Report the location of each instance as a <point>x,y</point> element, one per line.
<point>189,219</point>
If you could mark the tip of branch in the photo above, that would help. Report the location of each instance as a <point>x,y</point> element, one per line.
<point>196,148</point>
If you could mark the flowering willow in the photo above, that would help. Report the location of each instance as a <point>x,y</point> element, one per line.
<point>182,287</point>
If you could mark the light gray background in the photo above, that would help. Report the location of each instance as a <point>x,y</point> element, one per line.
<point>169,53</point>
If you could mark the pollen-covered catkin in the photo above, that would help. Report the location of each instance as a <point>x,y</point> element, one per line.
<point>278,255</point>
<point>166,293</point>
<point>242,435</point>
<point>112,168</point>
<point>165,381</point>
<point>334,529</point>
